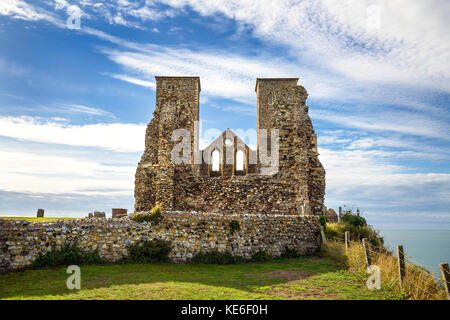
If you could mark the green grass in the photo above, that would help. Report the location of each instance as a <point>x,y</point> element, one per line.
<point>35,219</point>
<point>303,278</point>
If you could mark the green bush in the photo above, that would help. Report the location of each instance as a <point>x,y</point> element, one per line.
<point>357,227</point>
<point>216,257</point>
<point>261,256</point>
<point>234,226</point>
<point>331,233</point>
<point>323,221</point>
<point>149,251</point>
<point>154,215</point>
<point>289,253</point>
<point>353,219</point>
<point>67,255</point>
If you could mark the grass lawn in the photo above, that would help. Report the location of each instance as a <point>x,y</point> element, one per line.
<point>305,278</point>
<point>35,219</point>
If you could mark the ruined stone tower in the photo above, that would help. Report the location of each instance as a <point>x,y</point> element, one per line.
<point>292,182</point>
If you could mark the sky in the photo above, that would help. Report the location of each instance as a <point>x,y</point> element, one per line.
<point>77,90</point>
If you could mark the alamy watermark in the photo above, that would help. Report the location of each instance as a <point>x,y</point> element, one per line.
<point>182,151</point>
<point>374,280</point>
<point>73,281</point>
<point>74,14</point>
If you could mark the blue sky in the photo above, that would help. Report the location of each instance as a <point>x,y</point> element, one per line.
<point>74,102</point>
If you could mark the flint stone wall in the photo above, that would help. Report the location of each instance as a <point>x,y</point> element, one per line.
<point>22,241</point>
<point>299,181</point>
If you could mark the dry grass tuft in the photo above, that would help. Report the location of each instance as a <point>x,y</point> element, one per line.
<point>419,283</point>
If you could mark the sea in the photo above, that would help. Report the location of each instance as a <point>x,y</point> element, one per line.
<point>428,248</point>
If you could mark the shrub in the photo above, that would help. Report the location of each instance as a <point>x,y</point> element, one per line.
<point>331,233</point>
<point>337,231</point>
<point>358,228</point>
<point>216,257</point>
<point>154,215</point>
<point>289,253</point>
<point>323,221</point>
<point>353,219</point>
<point>149,251</point>
<point>234,226</point>
<point>261,256</point>
<point>66,255</point>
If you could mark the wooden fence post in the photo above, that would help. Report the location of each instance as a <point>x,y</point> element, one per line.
<point>347,240</point>
<point>366,252</point>
<point>445,271</point>
<point>401,265</point>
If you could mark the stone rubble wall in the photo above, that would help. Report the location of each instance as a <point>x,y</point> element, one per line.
<point>300,178</point>
<point>252,193</point>
<point>190,232</point>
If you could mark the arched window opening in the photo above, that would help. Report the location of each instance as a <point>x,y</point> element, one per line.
<point>239,160</point>
<point>215,160</point>
<point>270,98</point>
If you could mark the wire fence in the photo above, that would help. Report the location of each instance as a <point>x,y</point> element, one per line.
<point>413,278</point>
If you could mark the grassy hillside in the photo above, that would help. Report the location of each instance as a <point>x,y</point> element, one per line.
<point>305,278</point>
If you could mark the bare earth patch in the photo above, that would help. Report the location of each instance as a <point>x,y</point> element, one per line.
<point>292,285</point>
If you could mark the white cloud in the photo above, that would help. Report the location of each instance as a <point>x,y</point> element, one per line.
<point>396,143</point>
<point>148,14</point>
<point>120,20</point>
<point>31,172</point>
<point>327,34</point>
<point>388,121</point>
<point>18,9</point>
<point>332,139</point>
<point>136,81</point>
<point>222,75</point>
<point>371,180</point>
<point>76,108</point>
<point>336,34</point>
<point>120,137</point>
<point>126,13</point>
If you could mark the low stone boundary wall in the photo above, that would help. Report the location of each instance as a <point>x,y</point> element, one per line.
<point>190,232</point>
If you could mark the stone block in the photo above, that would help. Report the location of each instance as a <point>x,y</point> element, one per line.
<point>119,213</point>
<point>98,214</point>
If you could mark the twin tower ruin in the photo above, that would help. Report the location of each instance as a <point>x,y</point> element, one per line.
<point>282,176</point>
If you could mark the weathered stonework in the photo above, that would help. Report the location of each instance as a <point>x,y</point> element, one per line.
<point>119,212</point>
<point>98,214</point>
<point>331,215</point>
<point>40,213</point>
<point>22,241</point>
<point>299,182</point>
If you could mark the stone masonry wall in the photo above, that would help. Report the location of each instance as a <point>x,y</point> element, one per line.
<point>252,193</point>
<point>281,105</point>
<point>21,241</point>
